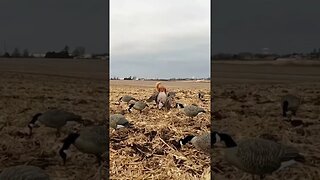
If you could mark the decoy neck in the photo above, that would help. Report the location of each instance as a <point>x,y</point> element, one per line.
<point>229,142</point>
<point>285,106</point>
<point>130,106</point>
<point>32,122</point>
<point>66,144</point>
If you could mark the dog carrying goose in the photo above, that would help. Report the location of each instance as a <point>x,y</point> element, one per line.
<point>258,156</point>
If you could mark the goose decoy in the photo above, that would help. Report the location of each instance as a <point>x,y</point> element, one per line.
<point>54,118</point>
<point>153,97</point>
<point>139,105</point>
<point>126,99</point>
<point>24,172</point>
<point>190,110</point>
<point>172,94</point>
<point>118,121</point>
<point>290,103</point>
<point>258,156</point>
<point>202,142</point>
<point>90,140</point>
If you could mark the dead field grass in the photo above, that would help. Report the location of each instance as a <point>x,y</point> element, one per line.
<point>147,151</point>
<point>31,86</point>
<point>246,100</point>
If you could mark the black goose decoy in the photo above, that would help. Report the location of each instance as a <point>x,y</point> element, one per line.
<point>258,156</point>
<point>290,103</point>
<point>126,99</point>
<point>90,140</point>
<point>54,118</point>
<point>24,172</point>
<point>138,105</point>
<point>118,121</point>
<point>201,142</point>
<point>190,110</point>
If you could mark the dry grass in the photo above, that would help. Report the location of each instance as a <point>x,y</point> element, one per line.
<point>24,94</point>
<point>148,150</point>
<point>245,109</point>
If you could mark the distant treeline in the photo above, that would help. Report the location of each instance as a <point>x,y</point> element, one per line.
<point>78,52</point>
<point>157,79</point>
<point>314,55</point>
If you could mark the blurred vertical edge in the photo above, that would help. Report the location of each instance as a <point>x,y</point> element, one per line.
<point>108,88</point>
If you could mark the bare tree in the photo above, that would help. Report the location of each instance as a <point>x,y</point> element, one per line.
<point>79,51</point>
<point>25,53</point>
<point>16,53</point>
<point>66,49</point>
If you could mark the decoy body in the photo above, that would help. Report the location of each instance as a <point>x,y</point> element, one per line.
<point>118,121</point>
<point>153,97</point>
<point>290,103</point>
<point>53,118</point>
<point>259,156</point>
<point>139,105</point>
<point>202,142</point>
<point>90,140</point>
<point>126,99</point>
<point>24,172</point>
<point>190,110</point>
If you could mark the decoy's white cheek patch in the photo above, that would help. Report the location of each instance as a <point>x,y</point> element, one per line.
<point>68,153</point>
<point>119,126</point>
<point>286,164</point>
<point>218,139</point>
<point>36,124</point>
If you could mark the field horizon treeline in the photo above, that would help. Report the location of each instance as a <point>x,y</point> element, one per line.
<point>158,79</point>
<point>313,55</point>
<point>78,52</point>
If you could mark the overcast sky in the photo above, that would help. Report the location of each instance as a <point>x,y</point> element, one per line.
<point>160,38</point>
<point>50,25</point>
<point>283,26</point>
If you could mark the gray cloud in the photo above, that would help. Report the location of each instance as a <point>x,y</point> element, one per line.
<point>49,25</point>
<point>160,39</point>
<point>284,26</point>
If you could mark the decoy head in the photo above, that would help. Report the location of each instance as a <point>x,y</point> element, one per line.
<point>222,137</point>
<point>185,140</point>
<point>179,105</point>
<point>119,101</point>
<point>66,144</point>
<point>32,123</point>
<point>130,106</point>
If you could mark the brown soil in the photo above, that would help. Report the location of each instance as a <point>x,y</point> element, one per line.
<point>31,86</point>
<point>247,104</point>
